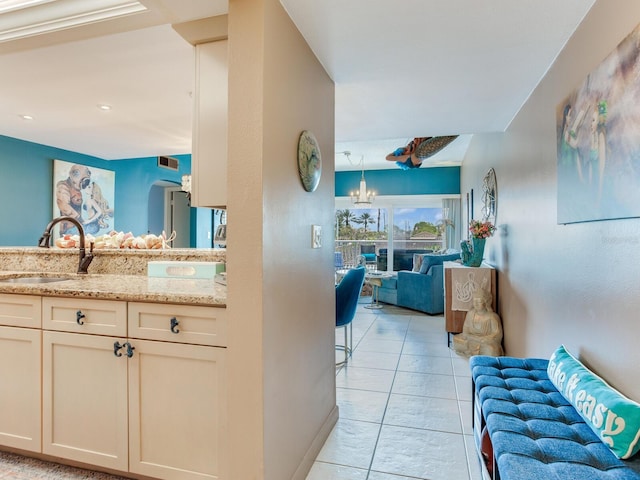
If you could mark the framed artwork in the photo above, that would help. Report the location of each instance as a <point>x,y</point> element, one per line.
<point>598,134</point>
<point>84,193</point>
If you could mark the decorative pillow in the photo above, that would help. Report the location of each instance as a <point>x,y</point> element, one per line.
<point>612,416</point>
<point>430,259</point>
<point>417,261</point>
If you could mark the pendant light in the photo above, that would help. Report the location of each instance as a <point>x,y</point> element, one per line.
<point>361,197</point>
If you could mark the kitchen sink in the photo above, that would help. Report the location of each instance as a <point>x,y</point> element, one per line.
<point>33,279</point>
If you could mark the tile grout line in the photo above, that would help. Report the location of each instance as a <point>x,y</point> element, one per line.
<point>411,323</point>
<point>469,455</point>
<point>395,372</point>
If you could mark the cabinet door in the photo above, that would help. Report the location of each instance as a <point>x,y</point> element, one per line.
<point>20,394</point>
<point>177,411</point>
<point>209,160</point>
<point>84,399</point>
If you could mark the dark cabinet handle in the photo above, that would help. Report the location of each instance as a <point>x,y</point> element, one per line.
<point>117,347</point>
<point>174,325</point>
<point>79,317</point>
<point>130,349</point>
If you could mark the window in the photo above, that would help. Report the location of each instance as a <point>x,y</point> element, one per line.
<point>361,232</point>
<point>417,228</point>
<point>398,223</point>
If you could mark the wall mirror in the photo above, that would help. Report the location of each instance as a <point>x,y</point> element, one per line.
<point>490,197</point>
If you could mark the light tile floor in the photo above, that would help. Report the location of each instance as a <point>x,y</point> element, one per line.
<point>405,403</point>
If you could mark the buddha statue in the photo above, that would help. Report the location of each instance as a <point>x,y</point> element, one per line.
<point>482,330</point>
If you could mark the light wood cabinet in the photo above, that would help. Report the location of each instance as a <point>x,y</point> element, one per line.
<point>78,315</point>
<point>84,400</point>
<point>210,126</point>
<point>177,395</point>
<point>158,413</point>
<point>152,402</point>
<point>454,319</point>
<point>178,323</point>
<point>20,310</point>
<point>20,370</point>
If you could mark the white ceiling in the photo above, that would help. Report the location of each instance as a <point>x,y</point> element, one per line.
<point>402,69</point>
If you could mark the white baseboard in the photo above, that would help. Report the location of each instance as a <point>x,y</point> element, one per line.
<point>307,461</point>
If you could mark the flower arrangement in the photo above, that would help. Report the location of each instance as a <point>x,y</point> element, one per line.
<point>480,229</point>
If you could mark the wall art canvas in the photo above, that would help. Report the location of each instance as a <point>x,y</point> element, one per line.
<point>598,128</point>
<point>84,193</point>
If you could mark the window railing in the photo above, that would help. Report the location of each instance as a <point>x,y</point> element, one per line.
<point>352,249</point>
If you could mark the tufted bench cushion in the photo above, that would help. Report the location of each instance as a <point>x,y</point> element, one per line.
<point>535,432</point>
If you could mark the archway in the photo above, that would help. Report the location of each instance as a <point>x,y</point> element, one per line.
<point>169,210</point>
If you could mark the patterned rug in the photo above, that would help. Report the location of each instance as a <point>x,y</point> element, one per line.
<point>17,467</point>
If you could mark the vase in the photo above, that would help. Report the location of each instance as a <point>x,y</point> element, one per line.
<point>475,259</point>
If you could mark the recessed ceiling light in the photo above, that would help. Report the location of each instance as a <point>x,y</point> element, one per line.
<point>26,117</point>
<point>104,106</point>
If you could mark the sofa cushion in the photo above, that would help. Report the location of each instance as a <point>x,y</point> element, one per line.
<point>612,416</point>
<point>431,259</point>
<point>417,261</point>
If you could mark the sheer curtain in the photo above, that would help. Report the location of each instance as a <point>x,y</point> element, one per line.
<point>451,210</point>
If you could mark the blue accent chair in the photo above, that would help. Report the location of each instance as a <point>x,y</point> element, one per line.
<point>369,253</point>
<point>347,295</point>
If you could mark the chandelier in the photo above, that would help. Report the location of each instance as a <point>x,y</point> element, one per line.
<point>362,196</point>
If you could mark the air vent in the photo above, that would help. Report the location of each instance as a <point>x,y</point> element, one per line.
<point>168,162</point>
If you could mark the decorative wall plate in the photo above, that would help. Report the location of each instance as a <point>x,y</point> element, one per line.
<point>490,197</point>
<point>309,161</point>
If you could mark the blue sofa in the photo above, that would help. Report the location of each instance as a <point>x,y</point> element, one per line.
<point>423,290</point>
<point>525,428</point>
<point>402,258</point>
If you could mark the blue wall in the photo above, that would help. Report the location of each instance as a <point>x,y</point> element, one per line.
<point>420,181</point>
<point>26,190</point>
<point>134,179</point>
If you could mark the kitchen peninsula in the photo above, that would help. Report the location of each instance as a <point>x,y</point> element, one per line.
<point>113,370</point>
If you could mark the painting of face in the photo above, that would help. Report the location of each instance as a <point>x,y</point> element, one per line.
<point>598,132</point>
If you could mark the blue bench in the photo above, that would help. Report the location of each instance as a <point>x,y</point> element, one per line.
<point>531,431</point>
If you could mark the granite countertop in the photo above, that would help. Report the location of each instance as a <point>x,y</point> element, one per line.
<point>119,274</point>
<point>136,288</point>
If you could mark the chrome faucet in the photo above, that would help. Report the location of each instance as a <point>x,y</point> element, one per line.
<point>85,258</point>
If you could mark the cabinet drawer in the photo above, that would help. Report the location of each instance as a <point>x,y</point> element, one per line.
<point>20,311</point>
<point>191,324</point>
<point>101,317</point>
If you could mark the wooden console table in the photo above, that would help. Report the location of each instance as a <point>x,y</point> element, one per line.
<point>454,319</point>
